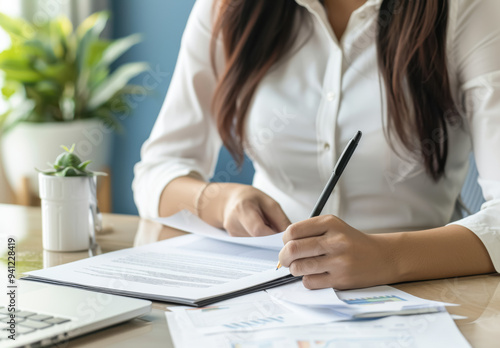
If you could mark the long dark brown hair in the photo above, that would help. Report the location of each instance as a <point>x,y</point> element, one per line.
<point>411,53</point>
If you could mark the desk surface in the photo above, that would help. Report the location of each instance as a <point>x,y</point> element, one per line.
<point>479,296</point>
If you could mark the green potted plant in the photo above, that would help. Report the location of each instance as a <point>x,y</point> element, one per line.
<point>60,88</point>
<point>68,195</point>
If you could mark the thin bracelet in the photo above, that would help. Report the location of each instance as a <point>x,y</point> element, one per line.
<point>198,198</point>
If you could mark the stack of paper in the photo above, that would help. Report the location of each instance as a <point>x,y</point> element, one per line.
<point>371,302</point>
<point>428,330</point>
<point>190,270</point>
<point>255,311</point>
<point>261,320</point>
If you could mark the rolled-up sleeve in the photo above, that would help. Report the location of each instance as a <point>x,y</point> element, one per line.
<point>477,48</point>
<point>184,138</point>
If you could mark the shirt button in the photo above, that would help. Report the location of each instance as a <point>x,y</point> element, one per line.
<point>330,96</point>
<point>326,146</point>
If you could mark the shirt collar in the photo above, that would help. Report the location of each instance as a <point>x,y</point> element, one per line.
<point>310,3</point>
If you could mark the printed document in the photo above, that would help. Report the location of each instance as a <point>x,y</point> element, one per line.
<point>412,331</point>
<point>377,301</point>
<point>190,270</point>
<point>186,221</point>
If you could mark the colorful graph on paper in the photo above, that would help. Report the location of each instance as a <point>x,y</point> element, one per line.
<point>373,300</point>
<point>255,322</point>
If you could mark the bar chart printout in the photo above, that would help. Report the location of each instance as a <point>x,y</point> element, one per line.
<point>373,300</point>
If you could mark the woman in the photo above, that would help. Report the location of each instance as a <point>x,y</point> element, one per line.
<point>290,82</point>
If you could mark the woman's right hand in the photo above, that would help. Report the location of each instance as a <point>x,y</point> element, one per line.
<point>242,210</point>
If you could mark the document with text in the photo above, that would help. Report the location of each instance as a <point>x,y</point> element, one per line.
<point>186,221</point>
<point>191,270</point>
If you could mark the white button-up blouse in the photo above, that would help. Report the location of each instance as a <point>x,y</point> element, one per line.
<point>309,105</point>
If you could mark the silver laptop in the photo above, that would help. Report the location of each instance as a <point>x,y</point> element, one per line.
<point>48,314</point>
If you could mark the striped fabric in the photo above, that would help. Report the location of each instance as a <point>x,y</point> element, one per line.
<point>472,196</point>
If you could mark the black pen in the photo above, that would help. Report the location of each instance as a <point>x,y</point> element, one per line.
<point>337,172</point>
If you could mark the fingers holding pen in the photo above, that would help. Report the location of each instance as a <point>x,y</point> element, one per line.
<point>328,252</point>
<point>312,227</point>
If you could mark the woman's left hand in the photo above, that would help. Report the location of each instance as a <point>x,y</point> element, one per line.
<point>330,253</point>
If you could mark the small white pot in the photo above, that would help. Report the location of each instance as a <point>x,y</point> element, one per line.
<point>65,212</point>
<point>31,145</point>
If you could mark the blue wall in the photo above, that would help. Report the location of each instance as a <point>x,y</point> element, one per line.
<point>161,22</point>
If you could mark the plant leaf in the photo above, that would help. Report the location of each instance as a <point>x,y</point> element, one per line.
<point>95,52</point>
<point>118,80</point>
<point>64,172</point>
<point>71,171</point>
<point>62,28</point>
<point>119,47</point>
<point>46,172</point>
<point>88,32</point>
<point>84,165</point>
<point>9,89</point>
<point>97,174</point>
<point>59,72</point>
<point>24,76</point>
<point>64,25</point>
<point>40,49</point>
<point>18,70</point>
<point>98,76</point>
<point>95,23</point>
<point>17,28</point>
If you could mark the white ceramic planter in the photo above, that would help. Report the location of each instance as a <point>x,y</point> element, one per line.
<point>66,223</point>
<point>31,145</point>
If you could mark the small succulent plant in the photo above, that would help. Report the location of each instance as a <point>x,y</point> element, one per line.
<point>69,164</point>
